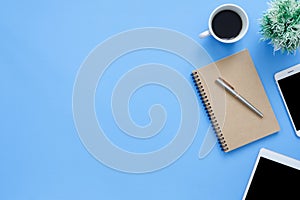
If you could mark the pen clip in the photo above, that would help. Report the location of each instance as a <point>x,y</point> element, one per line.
<point>229,85</point>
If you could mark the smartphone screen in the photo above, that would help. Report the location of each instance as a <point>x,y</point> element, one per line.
<point>289,87</point>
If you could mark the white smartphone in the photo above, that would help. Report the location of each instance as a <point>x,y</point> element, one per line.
<point>288,83</point>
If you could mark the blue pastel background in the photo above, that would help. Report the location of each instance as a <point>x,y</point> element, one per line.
<point>43,44</point>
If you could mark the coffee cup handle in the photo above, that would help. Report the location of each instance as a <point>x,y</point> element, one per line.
<point>204,34</point>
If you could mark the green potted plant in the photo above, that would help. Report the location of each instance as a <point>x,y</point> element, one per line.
<point>280,25</point>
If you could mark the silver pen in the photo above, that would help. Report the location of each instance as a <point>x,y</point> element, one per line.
<point>231,90</point>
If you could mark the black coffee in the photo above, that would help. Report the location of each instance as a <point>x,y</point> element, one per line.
<point>227,24</point>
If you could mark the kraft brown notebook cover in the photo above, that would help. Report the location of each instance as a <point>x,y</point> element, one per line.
<point>235,124</point>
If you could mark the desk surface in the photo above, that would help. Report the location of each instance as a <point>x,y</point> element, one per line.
<point>43,45</point>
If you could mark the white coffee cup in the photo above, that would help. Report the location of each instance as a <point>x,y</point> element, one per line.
<point>220,17</point>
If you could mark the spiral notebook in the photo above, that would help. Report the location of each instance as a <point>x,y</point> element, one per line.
<point>234,123</point>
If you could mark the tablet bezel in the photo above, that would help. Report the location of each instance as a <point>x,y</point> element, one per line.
<point>273,156</point>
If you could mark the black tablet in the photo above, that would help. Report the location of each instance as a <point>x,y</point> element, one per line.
<point>274,176</point>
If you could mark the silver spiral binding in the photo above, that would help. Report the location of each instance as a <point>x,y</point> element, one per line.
<point>209,111</point>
